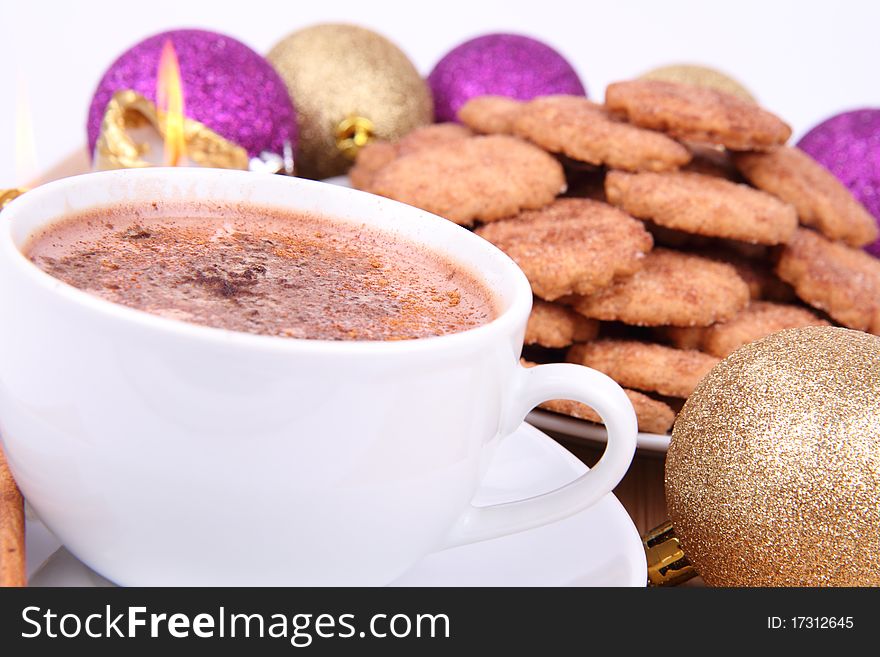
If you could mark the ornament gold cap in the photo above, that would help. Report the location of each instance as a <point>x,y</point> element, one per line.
<point>116,149</point>
<point>7,195</point>
<point>667,563</point>
<point>352,134</point>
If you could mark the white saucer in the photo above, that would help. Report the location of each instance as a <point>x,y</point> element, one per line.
<point>597,547</point>
<point>570,426</point>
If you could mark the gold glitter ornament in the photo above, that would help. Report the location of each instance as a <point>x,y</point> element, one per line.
<point>700,76</point>
<point>773,470</point>
<point>349,85</point>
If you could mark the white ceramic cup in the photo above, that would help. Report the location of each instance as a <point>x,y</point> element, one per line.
<point>166,453</point>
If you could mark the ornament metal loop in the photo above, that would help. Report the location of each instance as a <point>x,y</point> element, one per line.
<point>667,563</point>
<point>352,134</point>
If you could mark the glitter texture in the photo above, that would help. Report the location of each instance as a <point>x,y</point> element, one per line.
<point>848,145</point>
<point>700,76</point>
<point>335,73</point>
<point>226,85</point>
<point>773,471</point>
<point>502,65</point>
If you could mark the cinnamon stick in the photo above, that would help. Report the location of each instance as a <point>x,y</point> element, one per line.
<point>12,562</point>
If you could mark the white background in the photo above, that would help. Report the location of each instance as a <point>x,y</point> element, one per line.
<point>804,60</point>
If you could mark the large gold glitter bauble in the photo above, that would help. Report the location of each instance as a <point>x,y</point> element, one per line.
<point>773,471</point>
<point>348,85</point>
<point>700,76</point>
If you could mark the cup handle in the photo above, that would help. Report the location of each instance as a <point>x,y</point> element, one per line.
<point>533,386</point>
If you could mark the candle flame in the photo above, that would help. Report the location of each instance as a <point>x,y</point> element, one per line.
<point>169,102</point>
<point>25,144</point>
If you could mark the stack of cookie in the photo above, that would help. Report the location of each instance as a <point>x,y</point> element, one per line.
<point>659,231</point>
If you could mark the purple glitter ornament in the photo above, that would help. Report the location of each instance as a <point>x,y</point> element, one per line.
<point>503,65</point>
<point>848,145</point>
<point>226,86</point>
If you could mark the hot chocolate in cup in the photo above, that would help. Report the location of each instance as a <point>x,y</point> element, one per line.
<point>164,451</point>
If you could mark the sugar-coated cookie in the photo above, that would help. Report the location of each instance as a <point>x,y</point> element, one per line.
<point>377,154</point>
<point>821,200</point>
<point>573,246</point>
<point>475,179</point>
<point>758,320</point>
<point>671,289</point>
<point>493,115</point>
<point>585,131</point>
<point>703,205</point>
<point>644,365</point>
<point>830,276</point>
<point>697,114</point>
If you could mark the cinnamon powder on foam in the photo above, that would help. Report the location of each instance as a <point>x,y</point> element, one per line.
<point>263,271</point>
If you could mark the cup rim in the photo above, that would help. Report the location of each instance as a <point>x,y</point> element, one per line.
<point>506,322</point>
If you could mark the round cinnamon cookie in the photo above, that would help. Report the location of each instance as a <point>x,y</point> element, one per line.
<point>758,320</point>
<point>475,179</point>
<point>585,131</point>
<point>704,205</point>
<point>830,276</point>
<point>671,289</point>
<point>377,154</point>
<point>645,366</point>
<point>821,200</point>
<point>492,115</point>
<point>697,114</point>
<point>555,326</point>
<point>574,246</point>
